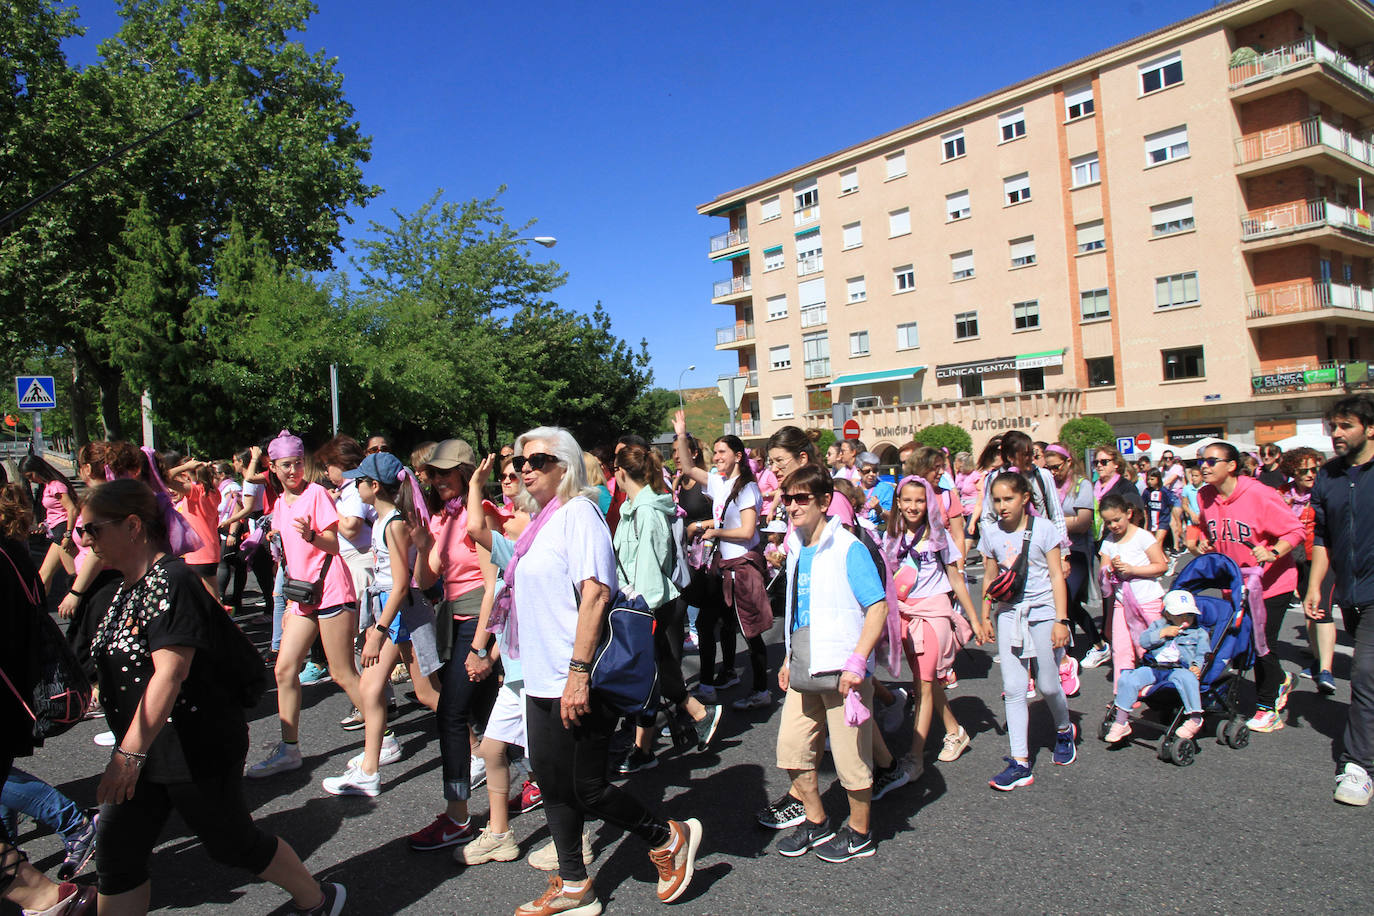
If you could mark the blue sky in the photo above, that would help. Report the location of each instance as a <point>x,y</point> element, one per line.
<point>610,122</point>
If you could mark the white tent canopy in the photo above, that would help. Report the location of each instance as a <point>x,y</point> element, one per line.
<point>1308,440</point>
<point>1242,445</point>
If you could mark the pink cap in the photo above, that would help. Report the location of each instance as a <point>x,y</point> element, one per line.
<point>285,446</point>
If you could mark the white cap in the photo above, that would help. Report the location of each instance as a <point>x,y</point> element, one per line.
<point>1179,601</point>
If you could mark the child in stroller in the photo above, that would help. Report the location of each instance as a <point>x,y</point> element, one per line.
<point>1174,643</point>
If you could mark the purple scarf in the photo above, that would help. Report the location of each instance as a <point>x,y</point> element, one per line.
<point>180,536</point>
<point>503,616</point>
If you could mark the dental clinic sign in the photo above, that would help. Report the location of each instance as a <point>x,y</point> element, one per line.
<point>1278,381</point>
<point>1000,364</point>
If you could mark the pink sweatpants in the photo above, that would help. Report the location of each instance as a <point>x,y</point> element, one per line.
<point>1125,653</point>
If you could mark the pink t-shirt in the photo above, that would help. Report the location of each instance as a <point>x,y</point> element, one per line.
<point>201,511</point>
<point>303,560</point>
<point>54,514</point>
<point>457,553</point>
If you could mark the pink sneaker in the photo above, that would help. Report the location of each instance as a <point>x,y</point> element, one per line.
<point>1190,727</point>
<point>1119,732</point>
<point>1068,676</point>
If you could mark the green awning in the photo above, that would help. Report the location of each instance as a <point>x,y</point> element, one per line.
<point>870,378</point>
<point>730,257</point>
<point>773,249</point>
<point>1043,358</point>
<point>801,232</point>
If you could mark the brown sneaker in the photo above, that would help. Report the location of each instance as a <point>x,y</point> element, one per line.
<point>556,900</point>
<point>677,862</point>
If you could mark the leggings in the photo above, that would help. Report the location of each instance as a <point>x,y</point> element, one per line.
<point>1016,677</point>
<point>1268,671</point>
<point>668,635</point>
<point>232,576</point>
<point>570,766</point>
<point>1078,590</point>
<point>463,703</point>
<point>715,611</point>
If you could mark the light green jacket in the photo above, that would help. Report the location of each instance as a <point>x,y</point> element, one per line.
<point>644,547</point>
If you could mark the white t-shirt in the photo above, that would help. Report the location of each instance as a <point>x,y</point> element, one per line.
<point>252,492</point>
<point>574,546</point>
<point>718,488</point>
<point>1005,546</point>
<point>1133,552</point>
<point>351,504</point>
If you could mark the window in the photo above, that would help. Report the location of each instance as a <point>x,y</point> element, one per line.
<point>770,209</point>
<point>953,145</point>
<point>1091,236</point>
<point>907,337</point>
<point>1022,251</point>
<point>1032,379</point>
<point>1166,146</point>
<point>777,307</point>
<point>809,259</point>
<point>855,290</point>
<point>970,386</point>
<point>1176,290</point>
<point>957,206</point>
<point>780,357</point>
<point>858,343</point>
<point>773,259</point>
<point>1085,170</point>
<point>816,350</point>
<point>1025,316</point>
<point>903,279</point>
<point>849,181</point>
<point>1161,73</point>
<point>1095,303</point>
<point>1101,372</point>
<point>782,407</point>
<point>1012,124</point>
<point>853,236</point>
<point>1166,219</point>
<point>965,325</point>
<point>811,294</point>
<point>806,202</point>
<point>896,165</point>
<point>1078,102</point>
<point>961,264</point>
<point>1016,188</point>
<point>899,223</point>
<point>1184,363</point>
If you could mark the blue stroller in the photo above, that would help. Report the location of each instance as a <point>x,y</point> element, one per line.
<point>1217,586</point>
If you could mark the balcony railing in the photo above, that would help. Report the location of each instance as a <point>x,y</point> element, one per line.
<point>803,215</point>
<point>734,333</point>
<point>813,317</point>
<point>741,428</point>
<point>813,264</point>
<point>731,285</point>
<point>751,378</point>
<point>1297,56</point>
<point>817,368</point>
<point>729,239</point>
<point>1288,138</point>
<point>1309,297</point>
<point>1302,215</point>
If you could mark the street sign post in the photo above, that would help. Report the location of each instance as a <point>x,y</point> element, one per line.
<point>732,392</point>
<point>36,393</point>
<point>1125,445</point>
<point>851,429</point>
<point>1142,441</point>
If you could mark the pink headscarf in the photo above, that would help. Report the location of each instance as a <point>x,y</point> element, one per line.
<point>895,549</point>
<point>285,446</point>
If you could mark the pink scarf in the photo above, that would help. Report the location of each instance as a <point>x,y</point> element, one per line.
<point>503,616</point>
<point>895,550</point>
<point>1101,487</point>
<point>180,536</point>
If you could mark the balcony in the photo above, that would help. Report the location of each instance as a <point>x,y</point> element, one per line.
<point>1318,70</point>
<point>817,368</point>
<point>808,214</point>
<point>732,239</point>
<point>1305,143</point>
<point>1308,301</point>
<point>812,264</point>
<point>741,428</point>
<point>731,288</point>
<point>813,317</point>
<point>1331,225</point>
<point>734,335</point>
<point>751,378</point>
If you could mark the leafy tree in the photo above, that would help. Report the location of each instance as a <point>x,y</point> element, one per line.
<point>1085,433</point>
<point>825,440</point>
<point>945,435</point>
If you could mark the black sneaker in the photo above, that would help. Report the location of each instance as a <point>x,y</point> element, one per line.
<point>706,728</point>
<point>846,845</point>
<point>787,811</point>
<point>331,905</point>
<point>79,851</point>
<point>727,679</point>
<point>885,780</point>
<point>636,761</point>
<point>805,838</point>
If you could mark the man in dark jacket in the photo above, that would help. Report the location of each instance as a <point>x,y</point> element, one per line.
<point>1344,488</point>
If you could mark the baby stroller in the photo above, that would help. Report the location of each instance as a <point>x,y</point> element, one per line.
<point>1217,586</point>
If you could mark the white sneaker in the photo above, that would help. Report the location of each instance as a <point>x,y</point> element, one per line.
<point>545,858</point>
<point>354,782</point>
<point>1353,786</point>
<point>391,752</point>
<point>753,701</point>
<point>282,758</point>
<point>891,716</point>
<point>477,772</point>
<point>1097,656</point>
<point>105,739</point>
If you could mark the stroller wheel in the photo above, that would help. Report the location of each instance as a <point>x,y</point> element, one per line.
<point>1185,752</point>
<point>1224,732</point>
<point>1239,734</point>
<point>1166,749</point>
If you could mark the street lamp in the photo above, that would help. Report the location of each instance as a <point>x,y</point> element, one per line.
<point>547,241</point>
<point>680,405</point>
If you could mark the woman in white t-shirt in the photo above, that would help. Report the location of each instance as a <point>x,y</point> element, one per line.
<point>1132,562</point>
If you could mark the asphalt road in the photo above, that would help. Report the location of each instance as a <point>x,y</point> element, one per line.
<point>1119,831</point>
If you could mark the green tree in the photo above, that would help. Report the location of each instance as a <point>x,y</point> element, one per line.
<point>1085,433</point>
<point>945,435</point>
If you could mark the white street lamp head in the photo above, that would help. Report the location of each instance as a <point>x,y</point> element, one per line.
<point>691,368</point>
<point>547,241</point>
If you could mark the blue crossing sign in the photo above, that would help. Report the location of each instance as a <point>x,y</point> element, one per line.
<point>35,392</point>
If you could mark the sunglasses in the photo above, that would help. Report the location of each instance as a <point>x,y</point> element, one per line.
<point>90,528</point>
<point>1053,467</point>
<point>510,477</point>
<point>536,462</point>
<point>801,499</point>
<point>1211,461</point>
<point>1305,471</point>
<point>1102,462</point>
<point>374,449</point>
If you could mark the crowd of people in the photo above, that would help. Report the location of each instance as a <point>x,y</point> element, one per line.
<point>491,599</point>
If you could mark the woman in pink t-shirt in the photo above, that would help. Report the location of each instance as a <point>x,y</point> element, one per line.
<point>58,502</point>
<point>199,505</point>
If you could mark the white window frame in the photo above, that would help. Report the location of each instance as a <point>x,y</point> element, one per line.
<point>1097,296</point>
<point>770,208</point>
<point>855,290</point>
<point>1022,252</point>
<point>1161,65</point>
<point>779,358</point>
<point>1079,97</point>
<point>810,260</point>
<point>783,408</point>
<point>899,222</point>
<point>963,318</point>
<point>776,314</point>
<point>1172,218</point>
<point>774,259</point>
<point>1086,170</point>
<point>961,265</point>
<point>1096,241</point>
<point>858,344</point>
<point>853,235</point>
<point>908,336</point>
<point>953,210</point>
<point>1027,312</point>
<point>849,181</point>
<point>1181,289</point>
<point>1016,189</point>
<point>896,165</point>
<point>953,145</point>
<point>903,278</point>
<point>806,202</point>
<point>1166,146</point>
<point>1011,125</point>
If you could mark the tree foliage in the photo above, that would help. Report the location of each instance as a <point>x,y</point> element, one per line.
<point>1086,432</point>
<point>945,435</point>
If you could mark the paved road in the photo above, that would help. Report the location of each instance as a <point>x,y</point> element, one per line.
<point>1117,832</point>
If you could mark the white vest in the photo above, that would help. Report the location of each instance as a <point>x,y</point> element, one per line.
<point>837,619</point>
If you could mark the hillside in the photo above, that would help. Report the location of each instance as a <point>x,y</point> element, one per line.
<point>706,413</point>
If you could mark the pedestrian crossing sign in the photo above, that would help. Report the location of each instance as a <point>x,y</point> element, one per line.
<point>35,392</point>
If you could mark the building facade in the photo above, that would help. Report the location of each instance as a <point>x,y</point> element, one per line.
<point>1170,234</point>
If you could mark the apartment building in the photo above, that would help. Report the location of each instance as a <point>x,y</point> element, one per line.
<point>1171,234</point>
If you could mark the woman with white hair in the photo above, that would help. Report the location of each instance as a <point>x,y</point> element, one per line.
<point>559,585</point>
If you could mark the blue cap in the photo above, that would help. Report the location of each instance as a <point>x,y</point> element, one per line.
<point>382,467</point>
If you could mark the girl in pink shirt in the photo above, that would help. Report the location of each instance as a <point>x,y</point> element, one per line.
<point>59,508</point>
<point>199,505</point>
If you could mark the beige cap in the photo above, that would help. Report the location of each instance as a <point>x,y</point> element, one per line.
<point>451,453</point>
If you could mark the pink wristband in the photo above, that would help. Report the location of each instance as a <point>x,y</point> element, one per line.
<point>856,664</point>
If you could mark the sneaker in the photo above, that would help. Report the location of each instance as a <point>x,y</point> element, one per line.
<point>391,752</point>
<point>1065,747</point>
<point>891,716</point>
<point>689,642</point>
<point>1190,727</point>
<point>1097,656</point>
<point>706,728</point>
<point>1326,683</point>
<point>314,674</point>
<point>1030,689</point>
<point>727,679</point>
<point>913,766</point>
<point>845,845</point>
<point>556,899</point>
<point>1014,776</point>
<point>400,674</point>
<point>706,694</point>
<point>488,847</point>
<point>282,758</point>
<point>445,831</point>
<point>104,739</point>
<point>787,811</point>
<point>477,772</point>
<point>353,721</point>
<point>1265,721</point>
<point>951,681</point>
<point>805,838</point>
<point>354,782</point>
<point>545,858</point>
<point>635,761</point>
<point>80,849</point>
<point>955,745</point>
<point>886,780</point>
<point>749,701</point>
<point>1285,689</point>
<point>331,904</point>
<point>677,861</point>
<point>1068,676</point>
<point>1353,786</point>
<point>1119,732</point>
<point>529,798</point>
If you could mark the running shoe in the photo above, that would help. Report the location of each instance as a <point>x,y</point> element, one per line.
<point>689,641</point>
<point>445,831</point>
<point>104,739</point>
<point>913,766</point>
<point>1068,676</point>
<point>283,757</point>
<point>400,674</point>
<point>706,728</point>
<point>80,849</point>
<point>1014,776</point>
<point>545,858</point>
<point>677,860</point>
<point>888,779</point>
<point>1326,683</point>
<point>955,745</point>
<point>951,681</point>
<point>787,811</point>
<point>331,904</point>
<point>706,693</point>
<point>727,679</point>
<point>635,761</point>
<point>1097,656</point>
<point>1190,727</point>
<point>805,838</point>
<point>391,752</point>
<point>314,674</point>
<point>354,782</point>
<point>757,700</point>
<point>1285,689</point>
<point>845,845</point>
<point>891,716</point>
<point>1119,732</point>
<point>1030,689</point>
<point>1353,786</point>
<point>353,721</point>
<point>477,772</point>
<point>529,798</point>
<point>557,900</point>
<point>1065,746</point>
<point>488,847</point>
<point>1265,721</point>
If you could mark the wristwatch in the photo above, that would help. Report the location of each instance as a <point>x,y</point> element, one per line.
<point>480,653</point>
<point>383,629</point>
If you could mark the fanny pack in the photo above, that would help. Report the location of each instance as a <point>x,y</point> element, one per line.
<point>1011,582</point>
<point>305,591</point>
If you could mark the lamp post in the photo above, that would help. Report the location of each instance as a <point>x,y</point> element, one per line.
<point>680,404</point>
<point>547,241</point>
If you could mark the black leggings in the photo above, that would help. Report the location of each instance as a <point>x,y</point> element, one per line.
<point>213,807</point>
<point>668,636</point>
<point>715,612</point>
<point>1268,671</point>
<point>570,765</point>
<point>463,703</point>
<point>1078,590</point>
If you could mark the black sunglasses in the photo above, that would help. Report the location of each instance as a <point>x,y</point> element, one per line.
<point>801,499</point>
<point>90,529</point>
<point>1102,462</point>
<point>372,450</point>
<point>536,462</point>
<point>1212,461</point>
<point>1053,467</point>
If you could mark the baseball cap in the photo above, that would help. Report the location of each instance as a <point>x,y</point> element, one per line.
<point>450,453</point>
<point>382,467</point>
<point>1179,601</point>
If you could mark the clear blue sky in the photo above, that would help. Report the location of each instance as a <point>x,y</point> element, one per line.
<point>610,122</point>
